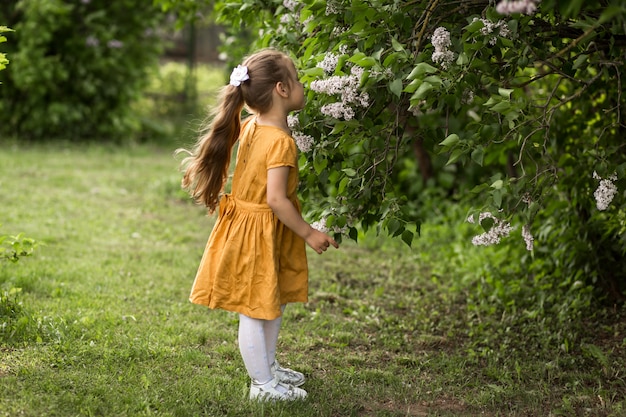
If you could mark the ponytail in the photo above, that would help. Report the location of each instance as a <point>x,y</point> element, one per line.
<point>206,168</point>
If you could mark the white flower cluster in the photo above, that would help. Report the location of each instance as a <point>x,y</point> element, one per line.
<point>500,28</point>
<point>347,86</point>
<point>507,7</point>
<point>303,141</point>
<point>331,8</point>
<point>338,111</point>
<point>499,230</point>
<point>293,122</point>
<point>290,5</point>
<point>320,225</point>
<point>441,42</point>
<point>606,191</point>
<point>528,237</point>
<point>329,63</point>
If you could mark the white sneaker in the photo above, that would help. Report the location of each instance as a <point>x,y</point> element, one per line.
<point>276,391</point>
<point>286,375</point>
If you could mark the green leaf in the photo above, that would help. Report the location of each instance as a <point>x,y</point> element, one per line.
<point>396,87</point>
<point>497,197</point>
<point>501,107</point>
<point>320,164</point>
<point>397,46</point>
<point>421,69</point>
<point>407,237</point>
<point>393,226</point>
<point>422,91</point>
<point>610,12</point>
<point>450,140</point>
<point>478,155</point>
<point>462,59</point>
<point>505,92</point>
<point>456,154</point>
<point>579,61</point>
<point>487,223</point>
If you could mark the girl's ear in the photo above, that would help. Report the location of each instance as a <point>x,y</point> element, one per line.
<point>282,89</point>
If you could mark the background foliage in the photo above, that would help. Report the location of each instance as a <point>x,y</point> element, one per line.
<point>76,67</point>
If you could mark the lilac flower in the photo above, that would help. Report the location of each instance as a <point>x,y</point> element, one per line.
<point>293,122</point>
<point>347,87</point>
<point>338,111</point>
<point>331,8</point>
<point>329,63</point>
<point>441,42</point>
<point>320,225</point>
<point>493,236</point>
<point>493,30</point>
<point>303,142</point>
<point>528,237</point>
<point>115,44</point>
<point>92,41</point>
<point>605,192</point>
<point>507,7</point>
<point>290,5</point>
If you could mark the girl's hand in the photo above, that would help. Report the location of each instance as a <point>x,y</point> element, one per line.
<point>320,241</point>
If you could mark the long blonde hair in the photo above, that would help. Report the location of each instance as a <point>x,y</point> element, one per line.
<point>206,167</point>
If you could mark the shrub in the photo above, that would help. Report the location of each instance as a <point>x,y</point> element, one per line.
<point>76,67</point>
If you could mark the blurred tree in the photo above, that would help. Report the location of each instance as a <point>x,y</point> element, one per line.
<point>76,67</point>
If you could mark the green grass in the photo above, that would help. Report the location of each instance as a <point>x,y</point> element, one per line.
<point>106,328</point>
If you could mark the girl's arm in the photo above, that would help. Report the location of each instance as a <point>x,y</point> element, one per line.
<point>289,215</point>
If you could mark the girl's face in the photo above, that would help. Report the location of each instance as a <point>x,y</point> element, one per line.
<point>296,93</point>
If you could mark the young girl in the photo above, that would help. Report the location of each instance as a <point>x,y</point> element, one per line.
<point>255,260</point>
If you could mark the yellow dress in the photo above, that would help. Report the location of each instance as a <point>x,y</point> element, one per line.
<point>253,263</point>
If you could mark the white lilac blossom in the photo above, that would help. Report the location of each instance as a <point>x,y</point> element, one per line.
<point>606,191</point>
<point>293,122</point>
<point>500,28</point>
<point>468,96</point>
<point>528,237</point>
<point>498,230</point>
<point>507,7</point>
<point>331,8</point>
<point>441,42</point>
<point>290,5</point>
<point>303,142</point>
<point>115,44</point>
<point>347,87</point>
<point>329,63</point>
<point>338,111</point>
<point>92,41</point>
<point>320,225</point>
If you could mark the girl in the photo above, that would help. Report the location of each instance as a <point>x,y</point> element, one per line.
<point>255,260</point>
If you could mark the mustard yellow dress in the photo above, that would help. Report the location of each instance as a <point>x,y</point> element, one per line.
<point>253,263</point>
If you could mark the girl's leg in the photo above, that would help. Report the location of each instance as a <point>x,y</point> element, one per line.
<point>271,329</point>
<point>253,349</point>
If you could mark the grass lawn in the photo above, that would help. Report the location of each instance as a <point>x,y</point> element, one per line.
<point>106,328</point>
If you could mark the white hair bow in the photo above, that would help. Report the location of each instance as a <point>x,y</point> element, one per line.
<point>239,75</point>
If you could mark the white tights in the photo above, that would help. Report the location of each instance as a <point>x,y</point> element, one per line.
<point>257,344</point>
